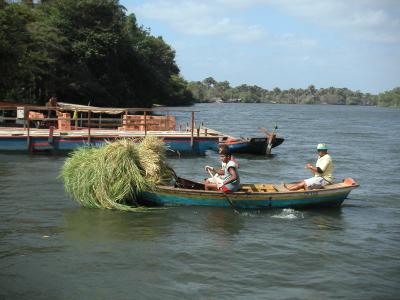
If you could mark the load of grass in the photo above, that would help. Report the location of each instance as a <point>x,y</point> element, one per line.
<point>152,159</point>
<point>112,176</point>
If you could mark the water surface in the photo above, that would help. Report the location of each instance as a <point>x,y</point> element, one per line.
<point>50,248</point>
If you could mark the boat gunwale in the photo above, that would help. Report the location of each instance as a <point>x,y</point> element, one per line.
<point>324,191</point>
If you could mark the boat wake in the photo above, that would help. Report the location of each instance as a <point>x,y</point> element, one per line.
<point>249,214</point>
<point>289,213</point>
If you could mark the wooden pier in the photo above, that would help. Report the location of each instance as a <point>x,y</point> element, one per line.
<point>31,128</point>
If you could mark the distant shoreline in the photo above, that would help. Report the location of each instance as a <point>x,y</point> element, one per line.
<point>210,90</point>
<point>275,103</point>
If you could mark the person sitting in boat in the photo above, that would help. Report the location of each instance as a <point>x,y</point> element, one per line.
<point>217,176</point>
<point>323,171</point>
<point>228,180</point>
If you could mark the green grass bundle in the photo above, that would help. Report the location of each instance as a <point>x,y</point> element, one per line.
<point>113,175</point>
<point>152,158</point>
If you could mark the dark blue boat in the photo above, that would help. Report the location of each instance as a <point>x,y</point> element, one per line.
<point>255,145</point>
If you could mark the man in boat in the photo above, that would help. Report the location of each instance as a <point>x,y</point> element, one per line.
<point>323,171</point>
<point>228,180</point>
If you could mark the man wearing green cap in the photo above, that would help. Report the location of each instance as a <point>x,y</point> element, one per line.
<point>323,171</point>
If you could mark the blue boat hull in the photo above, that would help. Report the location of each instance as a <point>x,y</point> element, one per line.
<point>251,146</point>
<point>176,144</point>
<point>171,196</point>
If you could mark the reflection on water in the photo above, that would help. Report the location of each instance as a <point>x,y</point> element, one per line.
<point>324,223</point>
<point>224,220</point>
<point>326,218</point>
<point>105,225</point>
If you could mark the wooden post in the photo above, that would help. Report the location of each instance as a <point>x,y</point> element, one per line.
<point>126,125</point>
<point>28,136</point>
<point>75,118</point>
<point>145,123</point>
<point>89,137</point>
<point>51,135</point>
<point>100,120</point>
<point>192,132</point>
<point>24,117</point>
<point>126,120</point>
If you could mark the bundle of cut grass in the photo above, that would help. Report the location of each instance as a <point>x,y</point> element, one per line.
<point>152,159</point>
<point>113,175</point>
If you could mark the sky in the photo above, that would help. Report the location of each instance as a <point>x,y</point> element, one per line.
<point>280,43</point>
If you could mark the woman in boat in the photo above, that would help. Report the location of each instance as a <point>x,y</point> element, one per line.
<point>228,180</point>
<point>216,177</point>
<point>323,171</point>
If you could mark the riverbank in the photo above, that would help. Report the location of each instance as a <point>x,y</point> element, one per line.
<point>214,91</point>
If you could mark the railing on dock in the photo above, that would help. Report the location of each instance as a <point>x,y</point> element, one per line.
<point>69,118</point>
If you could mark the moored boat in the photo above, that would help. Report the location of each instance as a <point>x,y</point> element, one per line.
<point>254,145</point>
<point>253,196</point>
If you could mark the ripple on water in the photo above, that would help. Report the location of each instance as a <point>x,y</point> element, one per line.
<point>289,213</point>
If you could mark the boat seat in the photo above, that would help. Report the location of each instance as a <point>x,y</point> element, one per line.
<point>253,188</point>
<point>280,188</point>
<point>249,188</point>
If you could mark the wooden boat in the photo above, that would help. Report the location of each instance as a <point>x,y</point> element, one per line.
<point>254,145</point>
<point>254,196</point>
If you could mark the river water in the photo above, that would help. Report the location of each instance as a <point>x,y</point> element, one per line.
<point>50,248</point>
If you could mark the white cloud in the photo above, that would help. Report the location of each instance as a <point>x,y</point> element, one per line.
<point>338,42</point>
<point>200,19</point>
<point>368,20</point>
<point>293,40</point>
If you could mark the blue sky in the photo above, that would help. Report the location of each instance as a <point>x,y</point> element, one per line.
<point>281,43</point>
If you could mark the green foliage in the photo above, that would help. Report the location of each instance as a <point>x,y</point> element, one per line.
<point>14,44</point>
<point>210,90</point>
<point>85,50</point>
<point>390,98</point>
<point>112,176</point>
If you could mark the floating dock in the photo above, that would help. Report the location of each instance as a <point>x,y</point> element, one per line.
<point>67,127</point>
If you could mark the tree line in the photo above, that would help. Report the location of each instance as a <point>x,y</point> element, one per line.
<point>210,90</point>
<point>90,51</point>
<point>84,51</point>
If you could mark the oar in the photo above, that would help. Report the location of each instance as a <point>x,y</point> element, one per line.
<point>262,129</point>
<point>226,196</point>
<point>270,138</point>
